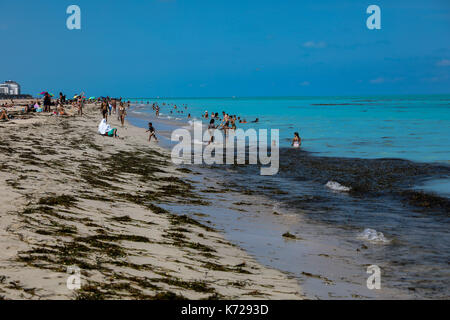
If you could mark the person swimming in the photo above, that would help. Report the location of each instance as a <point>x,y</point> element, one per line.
<point>297,141</point>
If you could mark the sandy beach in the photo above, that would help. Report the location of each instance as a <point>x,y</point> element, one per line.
<point>71,197</point>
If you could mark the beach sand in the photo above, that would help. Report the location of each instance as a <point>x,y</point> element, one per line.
<point>71,197</point>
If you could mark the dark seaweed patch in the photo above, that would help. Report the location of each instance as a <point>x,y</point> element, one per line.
<point>62,200</point>
<point>426,200</point>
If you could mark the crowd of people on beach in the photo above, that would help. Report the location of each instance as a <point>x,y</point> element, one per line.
<point>109,107</point>
<point>45,105</point>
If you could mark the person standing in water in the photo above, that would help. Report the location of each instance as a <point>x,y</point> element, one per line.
<point>152,132</point>
<point>211,129</point>
<point>297,141</point>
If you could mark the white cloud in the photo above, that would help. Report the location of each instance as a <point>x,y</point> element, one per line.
<point>443,63</point>
<point>305,83</point>
<point>315,44</point>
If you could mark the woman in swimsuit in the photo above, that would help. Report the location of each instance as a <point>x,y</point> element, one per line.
<point>114,107</point>
<point>80,106</point>
<point>297,141</point>
<point>122,113</point>
<point>4,115</point>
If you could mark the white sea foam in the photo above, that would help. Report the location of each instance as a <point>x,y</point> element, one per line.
<point>336,186</point>
<point>373,236</point>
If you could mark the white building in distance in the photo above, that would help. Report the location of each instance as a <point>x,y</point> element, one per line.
<point>10,87</point>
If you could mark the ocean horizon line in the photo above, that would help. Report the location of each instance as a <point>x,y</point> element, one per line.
<point>290,97</point>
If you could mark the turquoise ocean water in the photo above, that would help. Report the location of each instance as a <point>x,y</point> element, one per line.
<point>408,127</point>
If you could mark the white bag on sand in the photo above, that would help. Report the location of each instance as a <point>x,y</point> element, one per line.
<point>103,127</point>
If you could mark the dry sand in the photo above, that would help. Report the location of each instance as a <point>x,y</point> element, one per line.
<point>70,196</point>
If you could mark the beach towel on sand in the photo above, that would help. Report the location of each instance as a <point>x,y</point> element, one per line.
<point>103,127</point>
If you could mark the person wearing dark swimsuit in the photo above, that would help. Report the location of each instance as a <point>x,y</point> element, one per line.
<point>152,132</point>
<point>297,141</point>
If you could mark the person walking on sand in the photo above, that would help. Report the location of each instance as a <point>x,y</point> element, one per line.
<point>122,113</point>
<point>152,132</point>
<point>114,107</point>
<point>104,110</point>
<point>80,106</point>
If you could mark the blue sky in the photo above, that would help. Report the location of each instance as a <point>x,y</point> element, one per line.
<point>190,48</point>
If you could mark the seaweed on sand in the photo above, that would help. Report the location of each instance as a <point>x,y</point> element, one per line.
<point>143,200</point>
<point>61,200</point>
<point>184,219</point>
<point>198,286</point>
